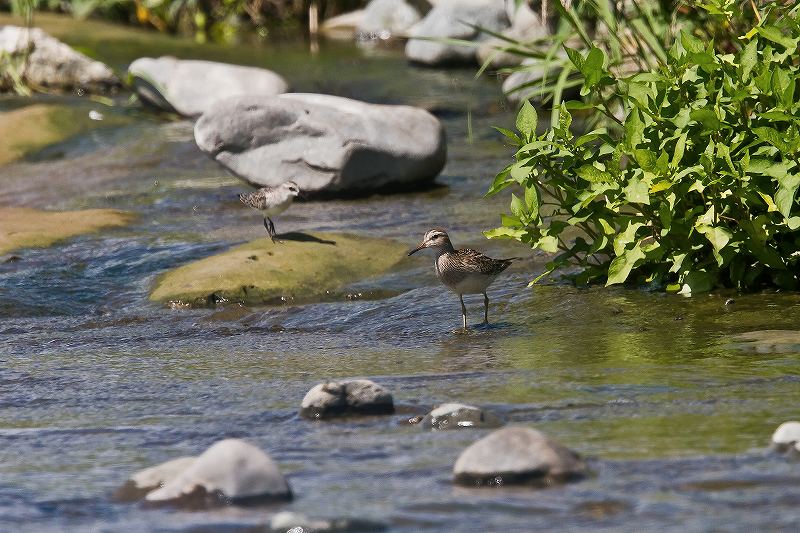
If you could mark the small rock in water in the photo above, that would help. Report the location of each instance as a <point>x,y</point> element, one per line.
<point>454,19</point>
<point>152,478</point>
<point>337,398</point>
<point>230,471</point>
<point>51,63</point>
<point>190,87</point>
<point>457,415</point>
<point>383,19</point>
<point>786,436</point>
<point>517,455</point>
<point>289,522</point>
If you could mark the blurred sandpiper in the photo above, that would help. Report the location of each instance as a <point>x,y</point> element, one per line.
<point>271,201</point>
<point>464,271</point>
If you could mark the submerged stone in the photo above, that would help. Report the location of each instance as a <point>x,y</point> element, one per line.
<point>517,455</point>
<point>304,267</point>
<point>191,87</point>
<point>458,416</point>
<point>337,398</point>
<point>23,227</point>
<point>287,521</point>
<point>152,478</point>
<point>230,471</point>
<point>326,144</point>
<point>768,341</point>
<point>42,61</point>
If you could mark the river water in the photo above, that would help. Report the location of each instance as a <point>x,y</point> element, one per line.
<point>96,382</point>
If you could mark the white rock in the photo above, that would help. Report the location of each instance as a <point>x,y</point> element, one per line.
<point>190,87</point>
<point>454,19</point>
<point>232,469</point>
<point>357,396</point>
<point>517,455</point>
<point>342,26</point>
<point>390,18</point>
<point>526,26</point>
<point>152,478</point>
<point>786,436</point>
<point>458,415</point>
<point>51,63</point>
<point>323,143</point>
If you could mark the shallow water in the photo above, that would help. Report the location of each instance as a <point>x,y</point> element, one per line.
<point>96,382</point>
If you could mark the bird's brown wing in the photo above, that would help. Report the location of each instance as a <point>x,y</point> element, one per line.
<point>473,261</point>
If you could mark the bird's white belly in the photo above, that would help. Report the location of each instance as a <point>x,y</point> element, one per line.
<point>277,209</point>
<point>472,284</point>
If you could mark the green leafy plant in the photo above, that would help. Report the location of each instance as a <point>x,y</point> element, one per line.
<point>691,186</point>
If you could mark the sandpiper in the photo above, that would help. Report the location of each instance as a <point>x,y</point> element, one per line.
<point>464,271</point>
<point>271,201</point>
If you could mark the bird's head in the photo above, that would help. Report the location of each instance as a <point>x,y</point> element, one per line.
<point>435,238</point>
<point>291,187</point>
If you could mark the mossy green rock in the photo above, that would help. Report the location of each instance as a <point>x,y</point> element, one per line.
<point>303,267</point>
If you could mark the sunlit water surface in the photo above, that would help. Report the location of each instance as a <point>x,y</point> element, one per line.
<point>96,382</point>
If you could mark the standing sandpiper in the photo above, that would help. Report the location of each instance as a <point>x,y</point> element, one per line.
<point>463,271</point>
<point>271,201</point>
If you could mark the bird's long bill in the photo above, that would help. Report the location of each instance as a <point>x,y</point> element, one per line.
<point>417,249</point>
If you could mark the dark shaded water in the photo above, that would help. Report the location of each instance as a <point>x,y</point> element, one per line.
<point>96,383</point>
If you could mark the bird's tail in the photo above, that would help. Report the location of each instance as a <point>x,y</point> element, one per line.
<point>243,198</point>
<point>513,259</point>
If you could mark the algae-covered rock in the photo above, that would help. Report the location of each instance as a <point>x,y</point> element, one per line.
<point>23,227</point>
<point>304,267</point>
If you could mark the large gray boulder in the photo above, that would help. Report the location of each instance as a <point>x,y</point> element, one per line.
<point>337,398</point>
<point>229,471</point>
<point>458,416</point>
<point>383,19</point>
<point>526,26</point>
<point>190,87</point>
<point>152,478</point>
<point>42,61</point>
<point>454,19</point>
<point>517,455</point>
<point>343,27</point>
<point>324,143</point>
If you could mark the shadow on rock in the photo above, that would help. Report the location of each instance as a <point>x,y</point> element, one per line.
<point>304,237</point>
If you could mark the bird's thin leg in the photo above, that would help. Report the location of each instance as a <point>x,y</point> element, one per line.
<point>270,228</point>
<point>485,308</point>
<point>463,311</point>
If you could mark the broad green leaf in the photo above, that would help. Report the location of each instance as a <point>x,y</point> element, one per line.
<point>510,134</point>
<point>527,120</point>
<point>646,158</point>
<point>620,268</point>
<point>680,146</point>
<point>547,243</point>
<point>532,201</point>
<point>771,33</point>
<point>773,137</point>
<point>593,67</point>
<point>748,59</point>
<point>593,174</point>
<point>707,118</point>
<point>504,233</point>
<point>691,43</point>
<point>695,282</point>
<point>719,237</point>
<point>637,191</point>
<point>517,207</point>
<point>787,190</point>
<point>626,236</point>
<point>634,129</point>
